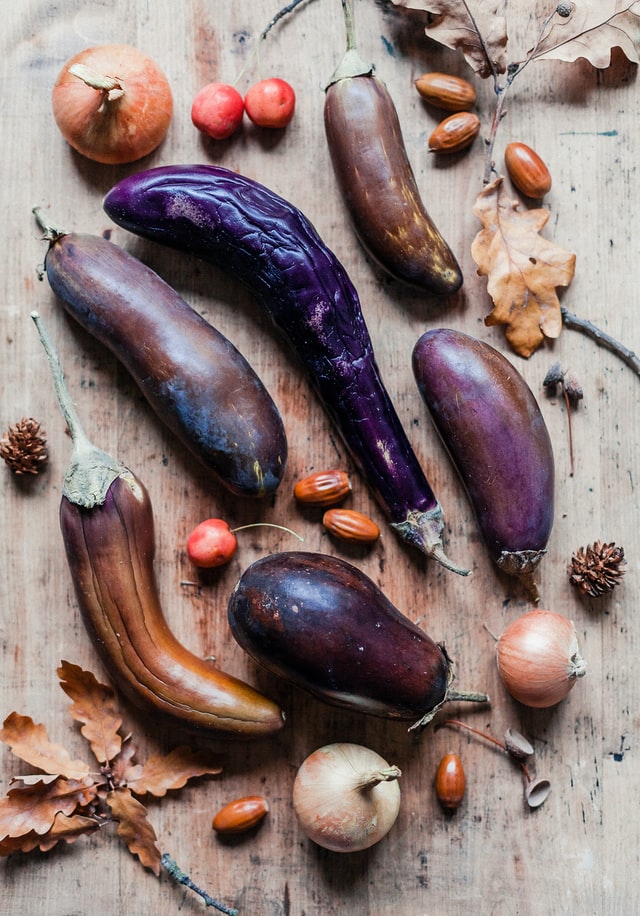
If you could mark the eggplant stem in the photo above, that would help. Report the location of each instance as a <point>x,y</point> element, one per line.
<point>267,525</point>
<point>91,470</point>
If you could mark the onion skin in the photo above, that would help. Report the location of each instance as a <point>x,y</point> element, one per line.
<point>538,658</point>
<point>346,797</point>
<point>321,624</point>
<point>122,129</point>
<point>492,427</point>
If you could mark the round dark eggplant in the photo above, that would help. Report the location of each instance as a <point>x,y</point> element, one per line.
<point>321,624</point>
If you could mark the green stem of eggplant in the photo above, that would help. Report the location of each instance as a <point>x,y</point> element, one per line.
<point>91,470</point>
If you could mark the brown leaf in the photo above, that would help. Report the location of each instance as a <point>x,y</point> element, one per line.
<point>591,30</point>
<point>34,808</point>
<point>64,828</point>
<point>95,705</point>
<point>159,774</point>
<point>475,29</point>
<point>31,743</point>
<point>522,268</point>
<point>135,828</point>
<point>123,762</point>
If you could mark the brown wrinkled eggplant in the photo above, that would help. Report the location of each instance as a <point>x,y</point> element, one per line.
<point>377,181</point>
<point>492,427</point>
<point>318,622</point>
<point>107,526</point>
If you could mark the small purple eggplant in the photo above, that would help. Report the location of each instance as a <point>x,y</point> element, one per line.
<point>491,425</point>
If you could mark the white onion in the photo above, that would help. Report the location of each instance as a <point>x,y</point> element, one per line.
<point>538,658</point>
<point>346,797</point>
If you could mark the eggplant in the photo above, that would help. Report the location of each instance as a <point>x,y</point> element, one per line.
<point>319,623</point>
<point>491,425</point>
<point>106,520</point>
<point>377,182</point>
<point>195,379</point>
<point>265,242</point>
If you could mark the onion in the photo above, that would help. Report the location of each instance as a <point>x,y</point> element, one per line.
<point>112,103</point>
<point>538,658</point>
<point>346,797</point>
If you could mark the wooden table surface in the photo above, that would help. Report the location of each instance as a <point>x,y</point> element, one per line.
<point>578,853</point>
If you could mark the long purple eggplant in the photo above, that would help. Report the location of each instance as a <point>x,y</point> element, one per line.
<point>321,624</point>
<point>491,425</point>
<point>198,383</point>
<point>264,241</point>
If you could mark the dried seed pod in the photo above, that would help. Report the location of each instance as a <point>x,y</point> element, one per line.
<point>537,791</point>
<point>324,488</point>
<point>241,814</point>
<point>24,447</point>
<point>526,170</point>
<point>349,525</point>
<point>442,90</point>
<point>517,745</point>
<point>597,569</point>
<point>455,133</point>
<point>450,781</point>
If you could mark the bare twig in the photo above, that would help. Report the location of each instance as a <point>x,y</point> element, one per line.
<point>178,875</point>
<point>574,323</point>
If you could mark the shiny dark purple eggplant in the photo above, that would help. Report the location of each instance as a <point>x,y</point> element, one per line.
<point>376,180</point>
<point>491,424</point>
<point>197,382</point>
<point>319,623</point>
<point>265,242</point>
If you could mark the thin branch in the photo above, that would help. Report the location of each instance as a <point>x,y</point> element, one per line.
<point>573,323</point>
<point>178,875</point>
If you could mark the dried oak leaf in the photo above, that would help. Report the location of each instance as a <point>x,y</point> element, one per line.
<point>480,33</point>
<point>27,809</point>
<point>522,268</point>
<point>135,828</point>
<point>30,742</point>
<point>591,30</point>
<point>95,705</point>
<point>173,771</point>
<point>64,827</point>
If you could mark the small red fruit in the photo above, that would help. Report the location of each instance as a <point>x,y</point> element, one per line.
<point>270,103</point>
<point>217,110</point>
<point>211,543</point>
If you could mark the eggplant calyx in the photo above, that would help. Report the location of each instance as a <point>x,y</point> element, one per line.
<point>351,66</point>
<point>522,564</point>
<point>50,233</point>
<point>424,531</point>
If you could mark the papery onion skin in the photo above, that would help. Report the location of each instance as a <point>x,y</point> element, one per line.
<point>538,658</point>
<point>125,128</point>
<point>332,805</point>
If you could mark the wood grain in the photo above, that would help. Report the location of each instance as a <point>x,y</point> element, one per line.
<point>578,853</point>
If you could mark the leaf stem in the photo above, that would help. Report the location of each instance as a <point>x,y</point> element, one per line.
<point>178,875</point>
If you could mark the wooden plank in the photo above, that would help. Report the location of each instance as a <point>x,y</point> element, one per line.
<point>577,853</point>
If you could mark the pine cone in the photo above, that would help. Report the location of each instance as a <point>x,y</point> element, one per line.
<point>597,569</point>
<point>24,447</point>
